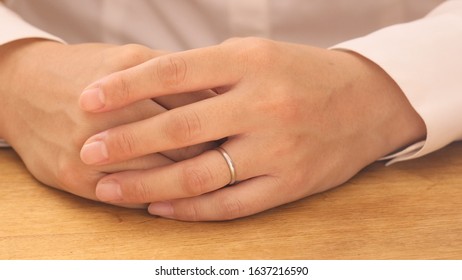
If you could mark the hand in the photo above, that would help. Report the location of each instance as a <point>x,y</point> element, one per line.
<point>298,120</point>
<point>40,82</point>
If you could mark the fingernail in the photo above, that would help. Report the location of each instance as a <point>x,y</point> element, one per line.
<point>164,209</point>
<point>94,152</point>
<point>92,99</point>
<point>108,191</point>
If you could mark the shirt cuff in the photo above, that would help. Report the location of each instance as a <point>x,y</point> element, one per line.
<point>423,58</point>
<point>13,28</point>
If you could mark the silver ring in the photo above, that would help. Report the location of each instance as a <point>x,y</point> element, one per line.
<point>230,163</point>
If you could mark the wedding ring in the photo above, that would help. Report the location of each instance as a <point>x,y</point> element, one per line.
<point>230,163</point>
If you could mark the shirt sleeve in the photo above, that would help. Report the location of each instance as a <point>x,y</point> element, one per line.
<point>424,57</point>
<point>12,28</point>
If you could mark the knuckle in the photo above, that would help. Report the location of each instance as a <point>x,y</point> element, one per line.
<point>232,208</point>
<point>118,89</point>
<point>140,192</point>
<point>125,56</point>
<point>183,128</point>
<point>133,54</point>
<point>232,40</point>
<point>188,212</point>
<point>195,180</point>
<point>253,54</point>
<point>123,143</point>
<point>67,173</point>
<point>259,50</point>
<point>171,71</point>
<point>64,172</point>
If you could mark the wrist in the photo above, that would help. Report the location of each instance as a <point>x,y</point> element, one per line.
<point>19,59</point>
<point>387,119</point>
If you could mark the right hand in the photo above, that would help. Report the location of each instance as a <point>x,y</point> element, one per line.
<point>40,84</point>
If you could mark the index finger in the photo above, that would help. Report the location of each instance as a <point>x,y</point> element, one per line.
<point>174,73</point>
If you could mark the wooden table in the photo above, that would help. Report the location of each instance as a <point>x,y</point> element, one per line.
<point>411,210</point>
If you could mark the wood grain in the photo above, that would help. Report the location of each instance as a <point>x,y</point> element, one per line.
<point>411,210</point>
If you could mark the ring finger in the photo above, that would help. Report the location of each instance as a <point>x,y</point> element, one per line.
<point>202,174</point>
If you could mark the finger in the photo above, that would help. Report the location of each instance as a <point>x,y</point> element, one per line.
<point>142,163</point>
<point>173,101</point>
<point>131,55</point>
<point>190,151</point>
<point>200,122</point>
<point>145,162</point>
<point>146,109</point>
<point>173,181</point>
<point>243,199</point>
<point>189,71</point>
<point>196,176</point>
<point>159,159</point>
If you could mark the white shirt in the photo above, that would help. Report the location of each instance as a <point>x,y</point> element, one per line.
<point>422,56</point>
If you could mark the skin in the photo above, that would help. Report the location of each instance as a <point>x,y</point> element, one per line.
<point>40,84</point>
<point>296,120</point>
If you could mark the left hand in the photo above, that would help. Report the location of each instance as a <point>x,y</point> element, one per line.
<point>40,117</point>
<point>297,120</point>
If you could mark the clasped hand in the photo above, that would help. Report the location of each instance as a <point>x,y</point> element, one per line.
<point>295,120</point>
